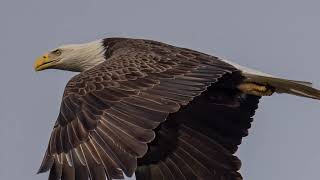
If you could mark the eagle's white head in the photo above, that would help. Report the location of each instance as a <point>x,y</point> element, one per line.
<point>73,57</point>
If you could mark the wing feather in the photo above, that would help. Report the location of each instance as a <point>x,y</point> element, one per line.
<point>109,114</point>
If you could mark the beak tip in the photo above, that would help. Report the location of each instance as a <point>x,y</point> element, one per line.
<point>38,64</point>
<point>35,67</point>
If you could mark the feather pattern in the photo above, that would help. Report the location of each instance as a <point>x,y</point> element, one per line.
<point>110,117</point>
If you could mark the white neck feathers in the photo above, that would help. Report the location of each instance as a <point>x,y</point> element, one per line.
<point>81,57</point>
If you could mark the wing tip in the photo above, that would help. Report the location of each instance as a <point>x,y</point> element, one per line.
<point>46,164</point>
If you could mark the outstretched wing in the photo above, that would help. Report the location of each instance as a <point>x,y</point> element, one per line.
<point>108,113</point>
<point>199,141</point>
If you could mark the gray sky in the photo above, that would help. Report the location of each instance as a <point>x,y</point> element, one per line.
<point>280,37</point>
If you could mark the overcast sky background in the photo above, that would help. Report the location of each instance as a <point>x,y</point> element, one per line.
<point>281,37</point>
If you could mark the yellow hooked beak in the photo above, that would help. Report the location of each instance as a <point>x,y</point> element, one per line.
<point>42,63</point>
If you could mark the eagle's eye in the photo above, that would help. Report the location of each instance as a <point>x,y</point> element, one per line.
<point>57,52</point>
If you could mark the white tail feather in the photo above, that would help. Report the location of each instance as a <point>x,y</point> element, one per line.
<point>298,88</point>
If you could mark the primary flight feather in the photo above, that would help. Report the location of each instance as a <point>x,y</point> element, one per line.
<point>160,111</point>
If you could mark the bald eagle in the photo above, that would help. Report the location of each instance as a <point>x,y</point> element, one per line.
<point>153,109</point>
